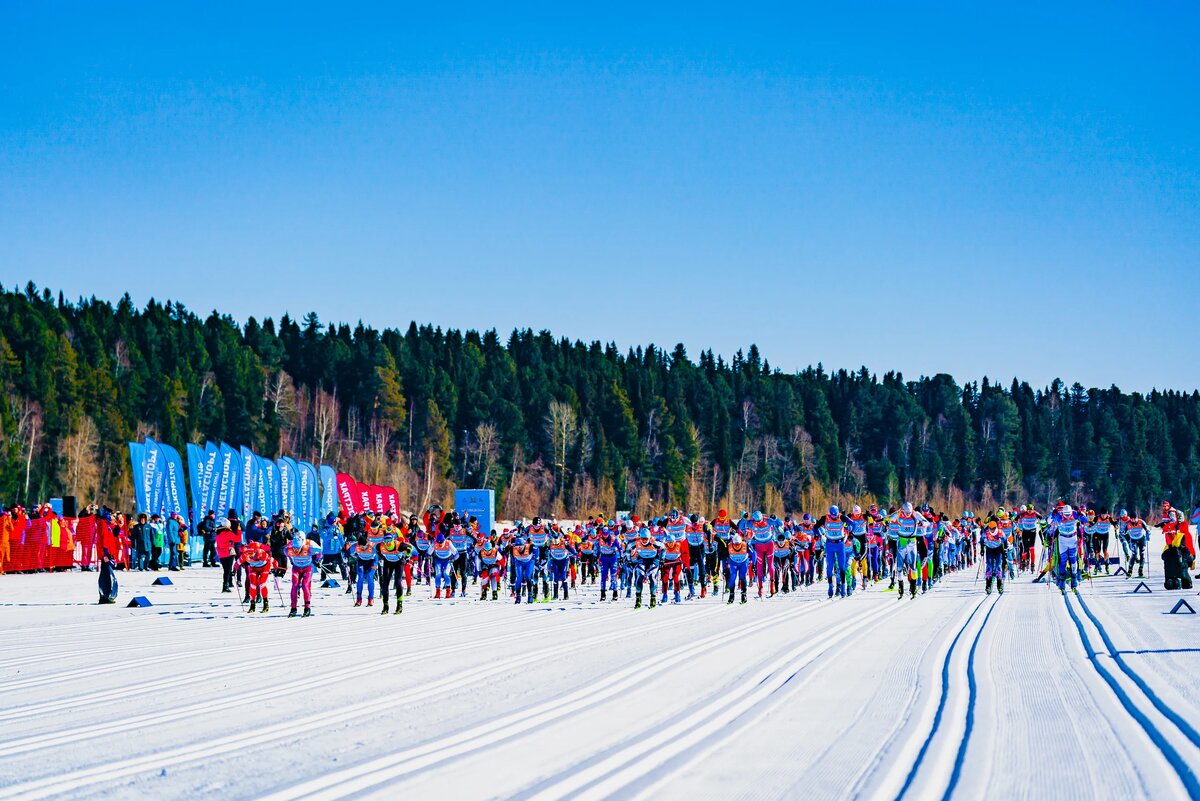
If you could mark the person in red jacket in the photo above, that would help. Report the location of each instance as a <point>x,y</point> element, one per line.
<point>226,543</point>
<point>256,556</point>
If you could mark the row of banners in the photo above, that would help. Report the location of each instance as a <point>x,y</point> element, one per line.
<point>222,477</point>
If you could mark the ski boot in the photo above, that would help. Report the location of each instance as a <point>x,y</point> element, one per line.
<point>1000,586</point>
<point>730,601</point>
<point>603,595</point>
<point>914,590</point>
<point>529,593</point>
<point>483,595</point>
<point>399,607</point>
<point>743,596</point>
<point>307,612</point>
<point>292,612</point>
<point>830,590</point>
<point>677,596</point>
<point>987,586</point>
<point>900,592</point>
<point>385,608</point>
<point>637,603</point>
<point>266,605</point>
<point>253,604</point>
<point>554,597</point>
<point>652,600</point>
<point>517,596</point>
<point>565,594</point>
<point>495,593</point>
<point>358,602</point>
<point>409,592</point>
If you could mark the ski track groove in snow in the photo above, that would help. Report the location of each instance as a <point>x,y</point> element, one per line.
<point>1178,762</point>
<point>361,778</point>
<point>610,775</point>
<point>473,717</point>
<point>68,781</point>
<point>93,697</point>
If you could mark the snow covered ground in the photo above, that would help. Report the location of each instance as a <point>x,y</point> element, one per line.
<point>953,694</point>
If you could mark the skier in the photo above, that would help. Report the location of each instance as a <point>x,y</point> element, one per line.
<point>444,554</point>
<point>739,564</point>
<point>1027,525</point>
<point>394,553</point>
<point>722,528</point>
<point>365,556</point>
<point>257,559</point>
<point>762,537</point>
<point>522,557</point>
<point>302,553</point>
<point>609,551</point>
<point>646,554</point>
<point>673,551</point>
<point>1135,535</point>
<point>906,522</point>
<point>831,528</point>
<point>697,572</point>
<point>803,540</point>
<point>1066,526</point>
<point>994,547</point>
<point>559,552</point>
<point>491,567</point>
<point>784,564</point>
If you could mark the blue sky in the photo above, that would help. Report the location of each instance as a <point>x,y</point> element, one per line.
<point>1001,191</point>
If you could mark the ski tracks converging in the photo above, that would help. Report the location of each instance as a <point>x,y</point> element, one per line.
<point>1174,738</point>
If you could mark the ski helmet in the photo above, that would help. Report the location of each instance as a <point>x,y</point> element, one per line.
<point>908,508</point>
<point>834,511</point>
<point>857,510</point>
<point>1065,511</point>
<point>757,517</point>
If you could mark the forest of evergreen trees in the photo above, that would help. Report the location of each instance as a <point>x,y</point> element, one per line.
<point>554,426</point>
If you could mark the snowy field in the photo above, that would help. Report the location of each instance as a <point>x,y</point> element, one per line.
<point>953,694</point>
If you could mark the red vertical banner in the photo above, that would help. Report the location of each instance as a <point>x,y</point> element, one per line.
<point>362,494</point>
<point>347,490</point>
<point>391,501</point>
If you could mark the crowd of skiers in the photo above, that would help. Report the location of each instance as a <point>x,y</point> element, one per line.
<point>660,559</point>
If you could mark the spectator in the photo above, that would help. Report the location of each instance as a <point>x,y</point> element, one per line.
<point>257,529</point>
<point>332,545</point>
<point>207,529</point>
<point>226,544</point>
<point>139,543</point>
<point>155,542</point>
<point>107,548</point>
<point>171,542</point>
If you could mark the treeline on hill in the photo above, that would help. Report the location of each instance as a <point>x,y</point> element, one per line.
<point>555,427</point>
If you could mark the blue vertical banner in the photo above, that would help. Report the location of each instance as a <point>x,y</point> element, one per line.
<point>310,494</point>
<point>209,483</point>
<point>285,486</point>
<point>260,486</point>
<point>329,501</point>
<point>154,476</point>
<point>248,481</point>
<point>271,474</point>
<point>137,460</point>
<point>232,475</point>
<point>195,472</point>
<point>174,489</point>
<point>221,478</point>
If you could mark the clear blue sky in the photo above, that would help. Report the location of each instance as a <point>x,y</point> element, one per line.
<point>933,188</point>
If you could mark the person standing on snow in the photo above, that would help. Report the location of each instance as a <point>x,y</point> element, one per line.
<point>226,543</point>
<point>259,563</point>
<point>364,556</point>
<point>739,566</point>
<point>831,528</point>
<point>1135,536</point>
<point>646,554</point>
<point>994,547</point>
<point>444,554</point>
<point>394,553</point>
<point>302,553</point>
<point>1066,526</point>
<point>907,522</point>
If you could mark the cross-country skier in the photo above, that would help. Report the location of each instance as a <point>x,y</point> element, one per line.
<point>994,547</point>
<point>302,553</point>
<point>394,554</point>
<point>739,565</point>
<point>259,563</point>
